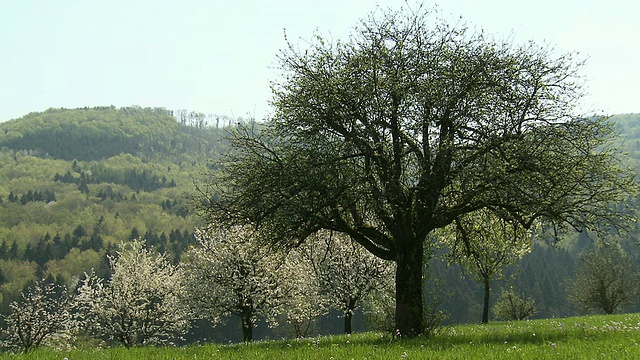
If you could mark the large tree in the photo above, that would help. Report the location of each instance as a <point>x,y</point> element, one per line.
<point>405,127</point>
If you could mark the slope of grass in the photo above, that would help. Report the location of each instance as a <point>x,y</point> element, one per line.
<point>594,337</point>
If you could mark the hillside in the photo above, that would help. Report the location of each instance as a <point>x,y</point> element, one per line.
<point>75,182</point>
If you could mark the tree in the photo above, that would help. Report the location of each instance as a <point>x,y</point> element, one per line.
<point>511,306</point>
<point>605,279</point>
<point>305,302</point>
<point>406,127</point>
<point>347,274</point>
<point>41,316</point>
<point>228,273</point>
<point>483,244</point>
<point>141,303</point>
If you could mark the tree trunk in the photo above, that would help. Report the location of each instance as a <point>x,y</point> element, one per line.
<point>348,315</point>
<point>347,322</point>
<point>487,292</point>
<point>409,306</point>
<point>247,328</point>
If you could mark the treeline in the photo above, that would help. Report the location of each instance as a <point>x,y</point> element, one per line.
<point>58,246</point>
<point>136,180</point>
<point>174,244</point>
<point>31,195</point>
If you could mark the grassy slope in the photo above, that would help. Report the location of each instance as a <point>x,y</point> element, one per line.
<point>594,337</point>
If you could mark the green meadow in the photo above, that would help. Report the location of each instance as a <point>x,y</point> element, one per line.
<point>589,337</point>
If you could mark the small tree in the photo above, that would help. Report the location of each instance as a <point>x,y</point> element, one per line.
<point>230,274</point>
<point>605,279</point>
<point>305,302</point>
<point>484,244</point>
<point>347,273</point>
<point>140,303</point>
<point>42,316</point>
<point>511,306</point>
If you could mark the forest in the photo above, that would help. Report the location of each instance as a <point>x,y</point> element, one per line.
<point>75,183</point>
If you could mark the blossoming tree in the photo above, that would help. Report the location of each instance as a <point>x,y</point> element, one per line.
<point>230,274</point>
<point>347,273</point>
<point>484,244</point>
<point>141,303</point>
<point>40,317</point>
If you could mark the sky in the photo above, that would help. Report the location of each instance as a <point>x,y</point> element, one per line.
<point>219,56</point>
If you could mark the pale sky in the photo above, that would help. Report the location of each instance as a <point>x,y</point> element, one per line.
<point>218,56</point>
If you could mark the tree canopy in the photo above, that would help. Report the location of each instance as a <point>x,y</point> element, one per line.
<point>410,124</point>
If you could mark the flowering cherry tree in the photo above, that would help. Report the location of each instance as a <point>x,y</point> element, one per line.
<point>42,316</point>
<point>347,273</point>
<point>230,274</point>
<point>142,301</point>
<point>305,302</point>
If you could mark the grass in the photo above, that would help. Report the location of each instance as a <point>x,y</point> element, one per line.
<point>593,337</point>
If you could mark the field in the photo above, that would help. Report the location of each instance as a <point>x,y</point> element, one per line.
<point>593,337</point>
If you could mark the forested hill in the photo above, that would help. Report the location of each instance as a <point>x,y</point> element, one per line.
<point>75,182</point>
<point>628,125</point>
<point>100,133</point>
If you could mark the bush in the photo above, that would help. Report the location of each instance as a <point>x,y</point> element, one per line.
<point>511,306</point>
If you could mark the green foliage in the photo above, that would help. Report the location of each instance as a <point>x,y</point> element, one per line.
<point>74,134</point>
<point>606,279</point>
<point>511,306</point>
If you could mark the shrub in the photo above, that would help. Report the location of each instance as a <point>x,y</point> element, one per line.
<point>511,306</point>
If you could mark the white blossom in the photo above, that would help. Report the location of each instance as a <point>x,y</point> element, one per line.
<point>142,301</point>
<point>228,273</point>
<point>347,273</point>
<point>42,317</point>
